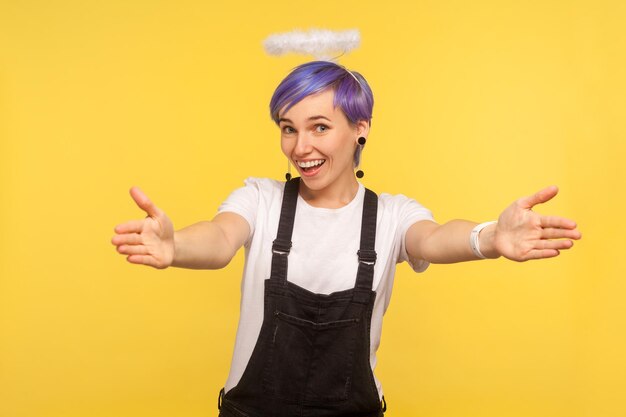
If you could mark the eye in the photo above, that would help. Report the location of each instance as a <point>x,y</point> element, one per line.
<point>288,129</point>
<point>321,128</point>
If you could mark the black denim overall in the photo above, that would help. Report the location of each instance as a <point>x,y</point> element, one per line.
<point>312,357</point>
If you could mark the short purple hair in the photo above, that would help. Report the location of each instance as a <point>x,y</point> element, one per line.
<point>353,97</point>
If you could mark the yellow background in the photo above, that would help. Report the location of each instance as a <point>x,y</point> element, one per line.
<point>477,103</point>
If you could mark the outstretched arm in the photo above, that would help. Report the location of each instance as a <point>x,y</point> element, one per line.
<point>152,241</point>
<point>520,234</point>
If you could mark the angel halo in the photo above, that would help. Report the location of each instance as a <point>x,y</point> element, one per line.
<point>323,44</point>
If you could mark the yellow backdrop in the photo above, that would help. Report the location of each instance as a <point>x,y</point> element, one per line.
<point>477,103</point>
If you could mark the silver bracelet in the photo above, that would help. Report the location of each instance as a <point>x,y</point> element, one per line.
<point>474,238</point>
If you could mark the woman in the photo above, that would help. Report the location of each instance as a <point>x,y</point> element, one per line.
<point>321,252</point>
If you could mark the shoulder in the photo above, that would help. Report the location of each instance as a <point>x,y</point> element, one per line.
<point>399,213</point>
<point>255,198</point>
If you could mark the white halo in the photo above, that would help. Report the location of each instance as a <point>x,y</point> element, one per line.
<point>320,43</point>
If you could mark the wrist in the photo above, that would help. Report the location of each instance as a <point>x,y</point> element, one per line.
<point>176,247</point>
<point>482,241</point>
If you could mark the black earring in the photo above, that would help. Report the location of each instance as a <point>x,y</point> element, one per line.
<point>288,174</point>
<point>361,141</point>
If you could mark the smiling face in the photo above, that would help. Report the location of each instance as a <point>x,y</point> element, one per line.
<point>320,141</point>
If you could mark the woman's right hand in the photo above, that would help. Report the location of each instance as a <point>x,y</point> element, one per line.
<point>149,241</point>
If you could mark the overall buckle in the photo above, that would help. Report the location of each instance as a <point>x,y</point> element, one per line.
<point>367,256</point>
<point>281,247</point>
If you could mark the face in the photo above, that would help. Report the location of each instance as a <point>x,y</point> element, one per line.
<point>319,140</point>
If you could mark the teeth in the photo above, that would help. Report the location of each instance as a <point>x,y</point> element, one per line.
<point>310,164</point>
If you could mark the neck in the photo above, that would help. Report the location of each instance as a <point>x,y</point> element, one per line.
<point>336,195</point>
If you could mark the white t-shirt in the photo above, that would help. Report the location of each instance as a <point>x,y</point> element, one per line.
<point>323,256</point>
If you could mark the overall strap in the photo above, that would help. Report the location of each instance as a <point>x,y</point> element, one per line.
<point>367,253</point>
<point>282,244</point>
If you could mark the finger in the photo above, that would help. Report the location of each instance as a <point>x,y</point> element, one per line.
<point>539,197</point>
<point>542,254</point>
<point>554,244</point>
<point>127,239</point>
<point>144,260</point>
<point>133,226</point>
<point>144,202</point>
<point>555,221</point>
<point>556,233</point>
<point>133,249</point>
<point>141,260</point>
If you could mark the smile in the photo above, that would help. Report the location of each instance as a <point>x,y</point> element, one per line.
<point>310,164</point>
<point>310,167</point>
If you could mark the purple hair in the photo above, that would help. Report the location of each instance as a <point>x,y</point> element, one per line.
<point>353,97</point>
<point>352,93</point>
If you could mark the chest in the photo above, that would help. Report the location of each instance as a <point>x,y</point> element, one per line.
<point>323,256</point>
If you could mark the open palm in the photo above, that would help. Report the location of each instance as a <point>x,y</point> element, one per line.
<point>521,234</point>
<point>149,241</point>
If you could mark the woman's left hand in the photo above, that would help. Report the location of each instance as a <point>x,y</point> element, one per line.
<point>521,234</point>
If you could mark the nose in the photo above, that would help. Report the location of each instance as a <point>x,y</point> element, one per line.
<point>303,144</point>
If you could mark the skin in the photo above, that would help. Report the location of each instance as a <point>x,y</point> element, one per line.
<point>314,129</point>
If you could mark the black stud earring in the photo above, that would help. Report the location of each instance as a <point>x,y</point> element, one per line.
<point>288,174</point>
<point>361,141</point>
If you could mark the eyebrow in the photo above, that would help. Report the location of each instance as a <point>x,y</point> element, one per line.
<point>282,119</point>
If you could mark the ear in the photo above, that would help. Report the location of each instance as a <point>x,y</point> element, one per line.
<point>362,128</point>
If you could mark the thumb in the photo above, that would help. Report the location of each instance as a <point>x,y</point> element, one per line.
<point>539,197</point>
<point>144,202</point>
